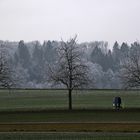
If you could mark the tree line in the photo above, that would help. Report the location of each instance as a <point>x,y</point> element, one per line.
<point>29,64</point>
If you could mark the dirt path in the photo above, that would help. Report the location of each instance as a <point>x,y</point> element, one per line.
<point>69,127</point>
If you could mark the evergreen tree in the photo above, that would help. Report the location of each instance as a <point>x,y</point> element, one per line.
<point>49,52</point>
<point>124,49</point>
<point>116,55</point>
<point>24,55</point>
<point>97,56</point>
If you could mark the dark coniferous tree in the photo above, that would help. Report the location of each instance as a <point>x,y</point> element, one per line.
<point>124,50</point>
<point>24,54</point>
<point>116,55</point>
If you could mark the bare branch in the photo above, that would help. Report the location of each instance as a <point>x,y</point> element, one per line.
<point>70,70</point>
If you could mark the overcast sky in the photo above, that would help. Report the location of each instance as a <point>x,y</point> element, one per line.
<point>91,20</point>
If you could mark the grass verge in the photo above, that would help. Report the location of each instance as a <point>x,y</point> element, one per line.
<point>69,136</point>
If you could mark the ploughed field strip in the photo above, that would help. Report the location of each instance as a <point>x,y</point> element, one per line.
<point>69,121</point>
<point>70,127</point>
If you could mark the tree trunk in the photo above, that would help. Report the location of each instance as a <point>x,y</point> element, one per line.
<point>70,99</point>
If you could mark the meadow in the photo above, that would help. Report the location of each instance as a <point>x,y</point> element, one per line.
<point>52,106</point>
<point>58,99</point>
<point>29,114</point>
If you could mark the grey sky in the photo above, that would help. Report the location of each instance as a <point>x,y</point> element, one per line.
<point>107,20</point>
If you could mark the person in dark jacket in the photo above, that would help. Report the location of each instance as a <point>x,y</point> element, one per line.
<point>117,102</point>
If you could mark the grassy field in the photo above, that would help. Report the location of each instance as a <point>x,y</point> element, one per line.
<point>58,99</point>
<point>71,116</point>
<point>69,136</point>
<point>26,110</point>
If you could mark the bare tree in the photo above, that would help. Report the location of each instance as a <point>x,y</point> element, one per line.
<point>130,70</point>
<point>70,70</point>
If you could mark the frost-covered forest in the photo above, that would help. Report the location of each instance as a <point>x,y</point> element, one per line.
<point>29,62</point>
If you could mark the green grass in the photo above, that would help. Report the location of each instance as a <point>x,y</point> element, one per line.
<point>72,116</point>
<point>58,99</point>
<point>98,105</point>
<point>69,136</point>
<point>51,106</point>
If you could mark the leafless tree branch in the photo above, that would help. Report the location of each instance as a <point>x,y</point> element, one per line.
<point>70,70</point>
